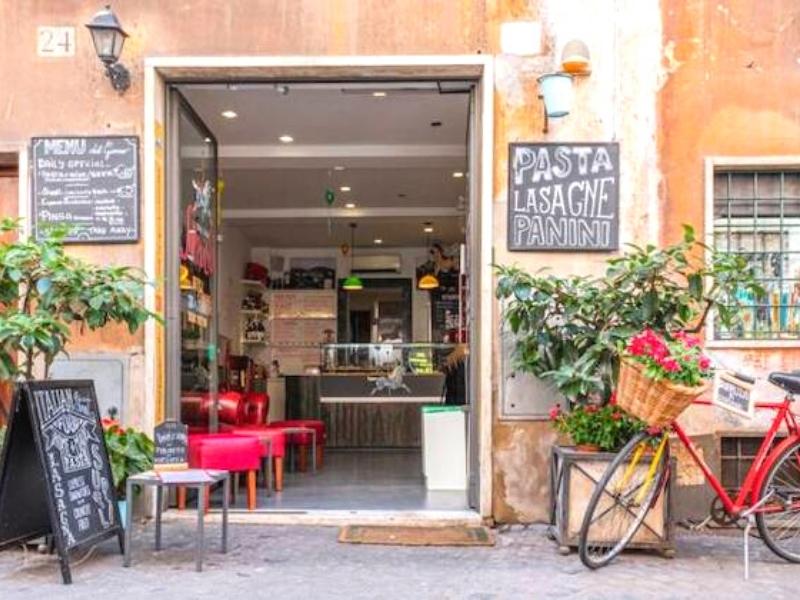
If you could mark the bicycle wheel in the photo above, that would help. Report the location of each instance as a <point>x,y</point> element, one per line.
<point>622,498</point>
<point>779,518</point>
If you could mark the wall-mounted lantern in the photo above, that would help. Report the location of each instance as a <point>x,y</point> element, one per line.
<point>555,90</point>
<point>109,38</point>
<point>575,58</point>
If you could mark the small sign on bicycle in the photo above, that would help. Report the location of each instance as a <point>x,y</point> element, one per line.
<point>733,394</point>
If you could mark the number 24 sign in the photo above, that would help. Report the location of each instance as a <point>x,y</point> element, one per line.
<point>55,41</point>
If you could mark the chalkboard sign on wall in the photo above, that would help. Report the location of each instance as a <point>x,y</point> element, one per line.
<point>88,184</point>
<point>563,196</point>
<point>55,477</point>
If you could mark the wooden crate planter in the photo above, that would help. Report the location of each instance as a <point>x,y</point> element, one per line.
<point>573,476</point>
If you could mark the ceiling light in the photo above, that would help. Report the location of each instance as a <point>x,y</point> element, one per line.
<point>428,229</point>
<point>349,205</point>
<point>436,123</point>
<point>286,139</point>
<point>229,114</point>
<point>338,168</point>
<point>207,140</point>
<point>344,188</point>
<point>428,282</point>
<point>378,240</point>
<point>378,94</point>
<point>458,174</point>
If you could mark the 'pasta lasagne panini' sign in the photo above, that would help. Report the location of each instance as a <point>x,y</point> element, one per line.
<point>563,196</point>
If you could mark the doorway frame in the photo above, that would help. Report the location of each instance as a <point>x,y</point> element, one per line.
<point>160,71</point>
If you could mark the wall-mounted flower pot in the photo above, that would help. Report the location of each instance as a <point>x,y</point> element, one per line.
<point>573,476</point>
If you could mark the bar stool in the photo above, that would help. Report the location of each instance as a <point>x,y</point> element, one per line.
<point>303,440</point>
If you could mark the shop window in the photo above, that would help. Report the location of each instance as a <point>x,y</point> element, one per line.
<point>757,215</point>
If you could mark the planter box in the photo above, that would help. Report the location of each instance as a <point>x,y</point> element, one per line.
<point>573,476</point>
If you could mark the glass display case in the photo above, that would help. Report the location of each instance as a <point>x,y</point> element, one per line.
<point>413,358</point>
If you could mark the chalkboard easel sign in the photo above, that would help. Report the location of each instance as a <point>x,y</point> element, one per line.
<point>171,441</point>
<point>90,185</point>
<point>563,196</point>
<point>55,477</point>
<point>733,394</point>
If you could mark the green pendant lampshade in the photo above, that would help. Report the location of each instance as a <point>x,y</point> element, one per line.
<point>353,283</point>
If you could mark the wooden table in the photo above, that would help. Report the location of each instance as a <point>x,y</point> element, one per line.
<point>201,480</point>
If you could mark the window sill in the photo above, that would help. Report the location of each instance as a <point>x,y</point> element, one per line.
<point>751,344</point>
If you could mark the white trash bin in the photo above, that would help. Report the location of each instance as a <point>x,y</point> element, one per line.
<point>444,447</point>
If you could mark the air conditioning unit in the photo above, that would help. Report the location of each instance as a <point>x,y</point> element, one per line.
<point>377,263</point>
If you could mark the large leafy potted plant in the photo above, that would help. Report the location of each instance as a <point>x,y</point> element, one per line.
<point>568,331</point>
<point>47,296</point>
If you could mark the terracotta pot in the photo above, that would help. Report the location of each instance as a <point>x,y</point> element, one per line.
<point>587,448</point>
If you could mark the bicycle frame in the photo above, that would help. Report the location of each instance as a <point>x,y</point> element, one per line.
<point>746,496</point>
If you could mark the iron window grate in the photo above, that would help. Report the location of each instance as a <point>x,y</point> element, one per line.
<point>757,215</point>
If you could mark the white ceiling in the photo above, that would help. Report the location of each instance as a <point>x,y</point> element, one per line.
<point>393,159</point>
<point>315,233</point>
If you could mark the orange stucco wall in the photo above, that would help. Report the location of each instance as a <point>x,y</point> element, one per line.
<point>731,88</point>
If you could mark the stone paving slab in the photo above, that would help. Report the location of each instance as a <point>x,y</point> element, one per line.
<point>287,562</point>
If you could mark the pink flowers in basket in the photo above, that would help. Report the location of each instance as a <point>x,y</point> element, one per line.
<point>679,360</point>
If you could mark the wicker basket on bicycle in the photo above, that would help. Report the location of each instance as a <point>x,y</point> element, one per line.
<point>657,403</point>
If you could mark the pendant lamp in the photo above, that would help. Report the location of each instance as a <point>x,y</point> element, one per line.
<point>429,281</point>
<point>353,283</point>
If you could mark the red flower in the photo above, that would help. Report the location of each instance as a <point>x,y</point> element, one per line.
<point>669,364</point>
<point>613,400</point>
<point>591,409</point>
<point>555,412</point>
<point>704,362</point>
<point>616,416</point>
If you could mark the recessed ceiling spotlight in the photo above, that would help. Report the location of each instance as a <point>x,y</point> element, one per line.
<point>378,241</point>
<point>458,174</point>
<point>401,195</point>
<point>286,139</point>
<point>338,168</point>
<point>436,123</point>
<point>229,114</point>
<point>207,140</point>
<point>344,188</point>
<point>282,89</point>
<point>379,94</point>
<point>349,205</point>
<point>428,227</point>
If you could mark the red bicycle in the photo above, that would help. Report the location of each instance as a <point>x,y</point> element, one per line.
<point>637,476</point>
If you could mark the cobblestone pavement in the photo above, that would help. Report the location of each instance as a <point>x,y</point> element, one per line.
<point>285,562</point>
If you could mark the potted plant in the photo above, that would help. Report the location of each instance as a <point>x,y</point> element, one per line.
<point>47,295</point>
<point>568,331</point>
<point>594,428</point>
<point>129,452</point>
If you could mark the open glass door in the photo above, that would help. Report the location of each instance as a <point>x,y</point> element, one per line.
<point>191,253</point>
<point>470,298</point>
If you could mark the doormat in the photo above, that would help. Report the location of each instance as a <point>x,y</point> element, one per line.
<point>416,536</point>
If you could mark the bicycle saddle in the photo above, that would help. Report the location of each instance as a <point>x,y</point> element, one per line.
<point>786,381</point>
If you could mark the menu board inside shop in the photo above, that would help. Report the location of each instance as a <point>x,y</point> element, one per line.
<point>89,185</point>
<point>563,196</point>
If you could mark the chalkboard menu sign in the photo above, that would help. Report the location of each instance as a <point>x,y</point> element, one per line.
<point>55,477</point>
<point>90,185</point>
<point>563,196</point>
<point>171,441</point>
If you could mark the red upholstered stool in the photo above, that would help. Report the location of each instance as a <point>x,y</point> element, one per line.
<point>272,439</point>
<point>234,453</point>
<point>303,440</point>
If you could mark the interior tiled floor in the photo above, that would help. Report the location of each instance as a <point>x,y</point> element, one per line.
<point>360,480</point>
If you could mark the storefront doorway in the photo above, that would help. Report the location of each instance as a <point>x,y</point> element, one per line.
<point>271,208</point>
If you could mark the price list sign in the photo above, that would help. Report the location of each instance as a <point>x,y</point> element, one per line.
<point>88,185</point>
